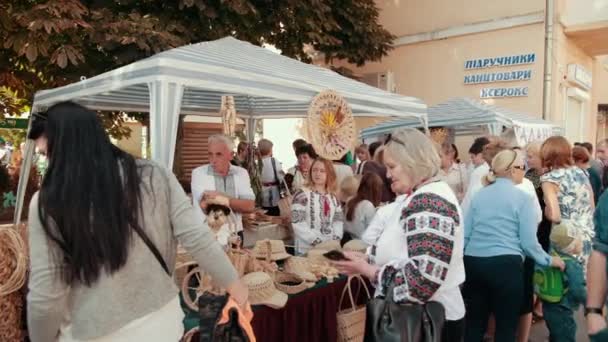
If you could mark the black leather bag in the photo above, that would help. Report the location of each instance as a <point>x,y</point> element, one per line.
<point>387,321</point>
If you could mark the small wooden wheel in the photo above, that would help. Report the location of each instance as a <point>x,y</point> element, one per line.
<point>195,284</point>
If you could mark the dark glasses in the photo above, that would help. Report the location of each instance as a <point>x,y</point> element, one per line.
<point>519,167</point>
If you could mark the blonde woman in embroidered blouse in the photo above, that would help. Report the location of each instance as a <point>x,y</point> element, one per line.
<point>316,214</point>
<point>421,247</point>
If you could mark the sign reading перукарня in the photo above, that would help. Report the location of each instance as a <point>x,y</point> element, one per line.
<point>501,76</point>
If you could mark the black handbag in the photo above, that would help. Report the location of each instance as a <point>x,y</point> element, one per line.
<point>387,321</point>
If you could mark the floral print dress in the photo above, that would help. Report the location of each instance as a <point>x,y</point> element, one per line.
<point>575,199</point>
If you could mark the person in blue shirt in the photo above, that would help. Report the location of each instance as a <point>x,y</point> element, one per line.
<point>559,316</point>
<point>500,229</point>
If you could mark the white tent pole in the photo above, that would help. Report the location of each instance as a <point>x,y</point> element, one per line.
<point>24,175</point>
<point>165,105</point>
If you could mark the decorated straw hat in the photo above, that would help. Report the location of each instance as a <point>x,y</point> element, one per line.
<point>300,266</point>
<point>355,246</point>
<point>275,249</point>
<point>328,245</point>
<point>262,290</point>
<point>290,283</point>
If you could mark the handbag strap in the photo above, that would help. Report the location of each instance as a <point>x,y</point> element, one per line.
<point>348,289</point>
<point>274,170</point>
<point>152,248</point>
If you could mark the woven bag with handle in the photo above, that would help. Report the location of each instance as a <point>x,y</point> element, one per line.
<point>351,321</point>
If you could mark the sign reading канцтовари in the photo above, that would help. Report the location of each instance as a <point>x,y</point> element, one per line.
<point>500,76</point>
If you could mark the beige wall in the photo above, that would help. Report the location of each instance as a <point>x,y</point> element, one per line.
<point>600,80</point>
<point>434,71</point>
<point>405,17</point>
<point>580,12</point>
<point>567,52</point>
<point>133,143</point>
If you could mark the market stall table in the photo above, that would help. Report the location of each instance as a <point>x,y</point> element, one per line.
<point>308,316</point>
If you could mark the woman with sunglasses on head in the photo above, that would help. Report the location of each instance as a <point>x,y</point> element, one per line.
<point>498,234</point>
<point>419,249</point>
<point>103,234</point>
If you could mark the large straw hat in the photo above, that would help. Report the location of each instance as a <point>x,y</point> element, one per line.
<point>355,246</point>
<point>263,292</point>
<point>300,266</point>
<point>276,248</point>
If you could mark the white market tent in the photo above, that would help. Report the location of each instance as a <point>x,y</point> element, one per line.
<point>191,80</point>
<point>465,115</point>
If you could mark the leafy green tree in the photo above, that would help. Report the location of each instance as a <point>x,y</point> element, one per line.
<point>49,43</point>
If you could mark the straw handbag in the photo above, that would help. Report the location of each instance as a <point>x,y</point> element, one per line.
<point>351,322</point>
<point>285,202</point>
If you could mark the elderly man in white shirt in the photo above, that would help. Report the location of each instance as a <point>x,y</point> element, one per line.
<point>219,182</point>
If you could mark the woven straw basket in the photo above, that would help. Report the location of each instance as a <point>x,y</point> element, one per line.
<point>13,269</point>
<point>351,322</point>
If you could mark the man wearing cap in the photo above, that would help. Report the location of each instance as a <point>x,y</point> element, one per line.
<point>220,182</point>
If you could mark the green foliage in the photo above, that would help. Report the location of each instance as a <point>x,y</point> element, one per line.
<point>49,43</point>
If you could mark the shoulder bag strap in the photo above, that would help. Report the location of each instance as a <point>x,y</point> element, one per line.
<point>274,170</point>
<point>152,249</point>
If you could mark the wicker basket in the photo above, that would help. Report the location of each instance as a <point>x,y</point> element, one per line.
<point>290,283</point>
<point>351,322</point>
<point>13,267</point>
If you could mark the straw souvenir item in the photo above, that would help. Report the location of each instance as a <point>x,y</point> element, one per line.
<point>290,283</point>
<point>351,321</point>
<point>355,246</point>
<point>325,270</point>
<point>328,245</point>
<point>272,250</point>
<point>331,126</point>
<point>262,290</point>
<point>13,271</point>
<point>301,267</point>
<point>315,256</point>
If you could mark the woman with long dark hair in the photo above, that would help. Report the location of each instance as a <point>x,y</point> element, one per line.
<point>103,232</point>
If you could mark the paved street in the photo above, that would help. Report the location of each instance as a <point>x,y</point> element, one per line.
<point>541,334</point>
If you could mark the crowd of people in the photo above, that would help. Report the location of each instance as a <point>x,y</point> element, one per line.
<point>104,229</point>
<point>485,228</point>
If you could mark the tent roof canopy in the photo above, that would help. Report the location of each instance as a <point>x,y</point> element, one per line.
<point>264,84</point>
<point>461,112</point>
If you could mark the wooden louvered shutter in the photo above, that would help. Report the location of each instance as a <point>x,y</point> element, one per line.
<point>194,152</point>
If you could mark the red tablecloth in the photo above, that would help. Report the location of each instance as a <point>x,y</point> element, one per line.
<point>308,316</point>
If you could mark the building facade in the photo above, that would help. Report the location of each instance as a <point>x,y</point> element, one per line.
<point>540,57</point>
